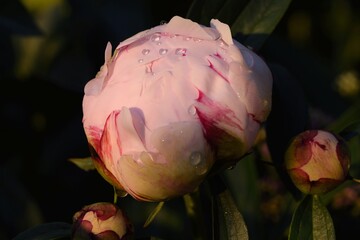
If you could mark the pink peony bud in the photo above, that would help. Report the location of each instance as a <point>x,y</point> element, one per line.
<point>172,101</point>
<point>317,161</point>
<point>101,221</point>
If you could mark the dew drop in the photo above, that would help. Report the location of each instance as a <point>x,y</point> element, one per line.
<point>197,40</point>
<point>140,60</point>
<point>145,51</point>
<point>155,38</point>
<point>197,160</point>
<point>163,51</point>
<point>158,43</point>
<point>181,51</point>
<point>192,110</point>
<point>187,38</point>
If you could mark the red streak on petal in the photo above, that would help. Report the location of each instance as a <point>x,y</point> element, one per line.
<point>86,225</point>
<point>254,119</point>
<point>322,146</point>
<point>214,114</point>
<point>104,212</point>
<point>303,147</point>
<point>218,56</point>
<point>343,155</point>
<point>94,136</point>
<point>217,71</point>
<point>110,132</point>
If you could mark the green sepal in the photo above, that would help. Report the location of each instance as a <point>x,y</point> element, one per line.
<point>153,214</point>
<point>85,164</point>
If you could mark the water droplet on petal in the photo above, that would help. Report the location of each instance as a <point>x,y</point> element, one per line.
<point>198,161</point>
<point>181,51</point>
<point>187,38</point>
<point>197,40</point>
<point>155,38</point>
<point>192,110</point>
<point>140,60</point>
<point>158,43</point>
<point>145,51</point>
<point>163,51</point>
<point>195,158</point>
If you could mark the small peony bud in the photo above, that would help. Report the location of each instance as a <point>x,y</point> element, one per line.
<point>317,161</point>
<point>101,221</point>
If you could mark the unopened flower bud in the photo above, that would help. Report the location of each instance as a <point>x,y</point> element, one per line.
<point>101,221</point>
<point>172,104</point>
<point>317,161</point>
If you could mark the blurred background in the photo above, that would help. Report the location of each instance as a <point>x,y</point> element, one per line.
<point>51,48</point>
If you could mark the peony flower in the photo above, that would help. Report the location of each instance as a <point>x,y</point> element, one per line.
<point>317,161</point>
<point>173,103</point>
<point>101,221</point>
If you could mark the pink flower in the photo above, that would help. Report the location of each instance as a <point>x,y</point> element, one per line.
<point>101,221</point>
<point>170,103</point>
<point>317,161</point>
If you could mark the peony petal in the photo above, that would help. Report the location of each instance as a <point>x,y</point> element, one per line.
<point>222,127</point>
<point>181,163</point>
<point>132,142</point>
<point>110,142</point>
<point>94,86</point>
<point>223,29</point>
<point>252,84</point>
<point>186,27</point>
<point>108,52</point>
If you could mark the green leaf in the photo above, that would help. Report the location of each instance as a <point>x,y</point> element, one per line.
<point>86,164</point>
<point>234,222</point>
<point>300,228</point>
<point>351,131</point>
<point>323,227</point>
<point>47,231</point>
<point>230,11</point>
<point>153,214</point>
<point>242,181</point>
<point>311,220</point>
<point>194,209</point>
<point>258,20</point>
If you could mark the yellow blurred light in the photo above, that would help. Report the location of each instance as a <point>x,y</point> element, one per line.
<point>348,84</point>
